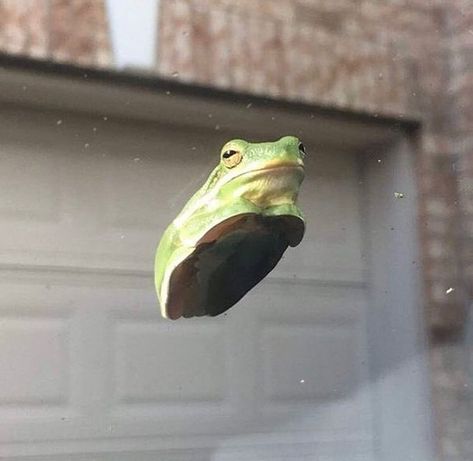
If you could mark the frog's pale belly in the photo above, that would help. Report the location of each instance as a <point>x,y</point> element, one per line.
<point>272,186</point>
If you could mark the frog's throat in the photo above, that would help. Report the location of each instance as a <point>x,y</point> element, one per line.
<point>211,196</point>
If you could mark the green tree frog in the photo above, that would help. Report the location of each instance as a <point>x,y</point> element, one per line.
<point>233,230</point>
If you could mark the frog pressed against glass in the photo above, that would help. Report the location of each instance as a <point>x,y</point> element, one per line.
<point>234,229</point>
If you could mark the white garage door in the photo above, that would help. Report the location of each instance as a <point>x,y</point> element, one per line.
<point>89,370</point>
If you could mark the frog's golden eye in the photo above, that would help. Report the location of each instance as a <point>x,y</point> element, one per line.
<point>302,149</point>
<point>231,158</point>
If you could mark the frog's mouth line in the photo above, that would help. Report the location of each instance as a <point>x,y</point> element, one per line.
<point>279,166</point>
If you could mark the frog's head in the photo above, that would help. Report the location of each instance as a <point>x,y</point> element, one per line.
<point>238,156</point>
<point>267,173</point>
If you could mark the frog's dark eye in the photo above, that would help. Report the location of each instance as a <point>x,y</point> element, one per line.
<point>302,148</point>
<point>231,158</point>
<point>229,153</point>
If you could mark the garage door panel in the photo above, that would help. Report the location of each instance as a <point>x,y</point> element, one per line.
<point>107,193</point>
<point>311,381</point>
<point>135,208</point>
<point>146,359</point>
<point>289,375</point>
<point>298,300</point>
<point>48,327</point>
<point>125,371</point>
<point>311,371</point>
<point>132,373</point>
<point>35,201</point>
<point>182,375</point>
<point>145,193</point>
<point>34,357</point>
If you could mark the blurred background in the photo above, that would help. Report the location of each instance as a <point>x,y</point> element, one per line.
<point>407,64</point>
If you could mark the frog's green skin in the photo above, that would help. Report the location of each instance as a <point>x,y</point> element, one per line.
<point>233,230</point>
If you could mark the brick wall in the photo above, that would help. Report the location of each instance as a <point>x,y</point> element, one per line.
<point>452,358</point>
<point>61,30</point>
<point>460,28</point>
<point>285,49</point>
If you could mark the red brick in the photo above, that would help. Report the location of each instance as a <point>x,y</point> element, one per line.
<point>66,30</point>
